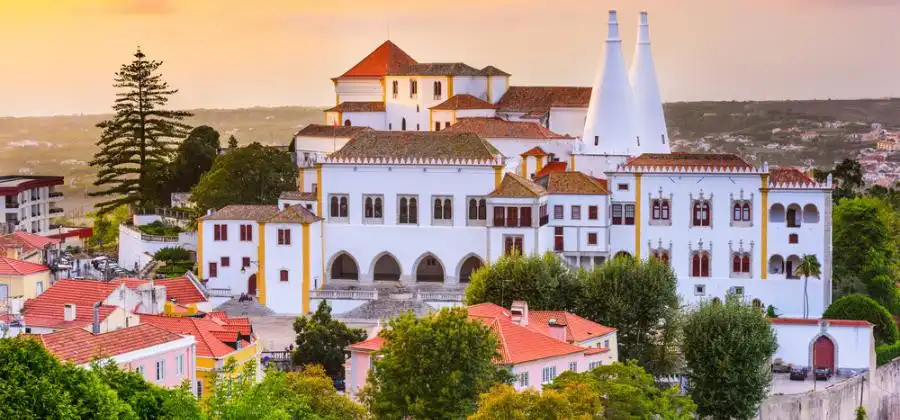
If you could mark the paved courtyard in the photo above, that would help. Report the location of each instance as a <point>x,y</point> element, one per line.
<point>782,384</point>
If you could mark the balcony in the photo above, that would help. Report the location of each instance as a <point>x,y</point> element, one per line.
<point>54,210</point>
<point>56,194</point>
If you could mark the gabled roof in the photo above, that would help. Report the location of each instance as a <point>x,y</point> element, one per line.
<point>387,58</point>
<point>462,101</point>
<point>577,328</point>
<point>11,267</point>
<point>440,145</point>
<point>255,212</point>
<point>688,160</point>
<point>357,107</point>
<point>322,130</point>
<point>572,182</point>
<point>209,333</point>
<point>293,214</point>
<point>79,346</point>
<point>493,71</point>
<point>297,195</point>
<point>551,167</point>
<point>181,290</point>
<point>535,151</point>
<point>789,176</point>
<point>436,69</point>
<point>27,240</point>
<point>48,309</point>
<point>533,98</point>
<point>515,186</point>
<point>500,128</point>
<point>372,344</point>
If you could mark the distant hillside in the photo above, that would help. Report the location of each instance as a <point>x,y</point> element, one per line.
<point>63,145</point>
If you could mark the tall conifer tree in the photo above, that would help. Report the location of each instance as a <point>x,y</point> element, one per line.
<point>140,139</point>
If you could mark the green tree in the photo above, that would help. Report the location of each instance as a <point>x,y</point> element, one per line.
<point>502,402</point>
<point>727,347</point>
<point>627,391</point>
<point>542,281</point>
<point>866,237</point>
<point>809,267</point>
<point>314,383</point>
<point>847,176</point>
<point>638,298</point>
<point>264,173</point>
<point>35,385</point>
<point>232,142</point>
<point>106,226</point>
<point>863,308</point>
<point>139,136</point>
<point>149,401</point>
<point>433,367</point>
<point>323,340</point>
<point>194,158</point>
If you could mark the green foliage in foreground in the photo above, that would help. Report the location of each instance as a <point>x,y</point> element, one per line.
<point>887,352</point>
<point>863,308</point>
<point>323,340</point>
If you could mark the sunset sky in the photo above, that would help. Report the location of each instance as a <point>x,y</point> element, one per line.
<point>58,56</point>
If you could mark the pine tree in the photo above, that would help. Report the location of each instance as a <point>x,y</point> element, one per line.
<point>232,142</point>
<point>141,136</point>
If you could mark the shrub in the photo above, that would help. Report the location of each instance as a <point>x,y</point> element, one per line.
<point>863,308</point>
<point>172,254</point>
<point>158,228</point>
<point>887,352</point>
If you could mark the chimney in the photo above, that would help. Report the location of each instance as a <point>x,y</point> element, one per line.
<point>95,325</point>
<point>649,116</point>
<point>519,311</point>
<point>557,329</point>
<point>69,312</point>
<point>610,127</point>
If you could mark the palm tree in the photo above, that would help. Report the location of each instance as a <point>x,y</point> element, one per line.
<point>809,266</point>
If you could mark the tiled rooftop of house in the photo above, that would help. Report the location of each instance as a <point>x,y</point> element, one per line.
<point>209,332</point>
<point>11,267</point>
<point>180,289</point>
<point>293,214</point>
<point>551,167</point>
<point>436,69</point>
<point>572,182</point>
<point>532,98</point>
<point>323,130</point>
<point>689,160</point>
<point>372,344</point>
<point>243,212</point>
<point>789,176</point>
<point>462,101</point>
<point>297,195</point>
<point>26,240</point>
<point>357,107</point>
<point>493,71</point>
<point>387,58</point>
<point>439,145</point>
<point>516,186</point>
<point>534,151</point>
<point>577,328</point>
<point>500,128</point>
<point>48,309</point>
<point>79,346</point>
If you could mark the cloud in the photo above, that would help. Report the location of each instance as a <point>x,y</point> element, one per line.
<point>142,7</point>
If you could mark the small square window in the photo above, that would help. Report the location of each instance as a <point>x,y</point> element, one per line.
<point>622,187</point>
<point>576,212</point>
<point>592,213</point>
<point>699,289</point>
<point>592,238</point>
<point>793,238</point>
<point>558,212</point>
<point>226,261</point>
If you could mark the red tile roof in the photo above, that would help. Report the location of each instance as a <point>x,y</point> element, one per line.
<point>689,160</point>
<point>535,151</point>
<point>577,328</point>
<point>47,310</point>
<point>462,101</point>
<point>572,182</point>
<point>180,289</point>
<point>208,333</point>
<point>131,282</point>
<point>79,346</point>
<point>27,240</point>
<point>789,176</point>
<point>387,58</point>
<point>815,321</point>
<point>372,344</point>
<point>357,107</point>
<point>11,267</point>
<point>517,186</point>
<point>542,98</point>
<point>500,128</point>
<point>551,167</point>
<point>322,130</point>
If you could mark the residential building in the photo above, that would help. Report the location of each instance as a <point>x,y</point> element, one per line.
<point>814,343</point>
<point>81,304</point>
<point>26,246</point>
<point>162,357</point>
<point>27,203</point>
<point>534,347</point>
<point>20,280</point>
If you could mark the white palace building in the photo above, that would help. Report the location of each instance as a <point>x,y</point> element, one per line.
<point>423,172</point>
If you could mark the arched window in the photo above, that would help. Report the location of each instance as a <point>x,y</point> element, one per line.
<point>438,209</point>
<point>448,209</point>
<point>736,264</point>
<point>370,207</point>
<point>746,212</point>
<point>661,255</point>
<point>413,211</point>
<point>745,264</point>
<point>665,258</point>
<point>347,122</point>
<point>701,216</point>
<point>343,207</point>
<point>437,90</point>
<point>736,216</point>
<point>413,89</point>
<point>794,215</point>
<point>482,209</point>
<point>665,209</point>
<point>473,209</point>
<point>403,124</point>
<point>378,203</point>
<point>404,210</point>
<point>657,210</point>
<point>700,264</point>
<point>334,211</point>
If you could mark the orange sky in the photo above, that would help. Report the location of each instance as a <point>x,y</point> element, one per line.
<point>58,56</point>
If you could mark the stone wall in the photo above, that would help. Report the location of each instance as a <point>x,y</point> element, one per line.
<point>879,391</point>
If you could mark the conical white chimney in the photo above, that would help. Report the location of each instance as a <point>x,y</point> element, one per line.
<point>649,116</point>
<point>610,127</point>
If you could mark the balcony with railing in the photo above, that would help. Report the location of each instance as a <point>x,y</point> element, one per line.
<point>344,294</point>
<point>55,210</point>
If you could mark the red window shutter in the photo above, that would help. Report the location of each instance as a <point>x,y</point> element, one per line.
<point>284,275</point>
<point>226,262</point>
<point>665,210</point>
<point>695,265</point>
<point>243,232</point>
<point>736,264</point>
<point>498,216</point>
<point>287,236</point>
<point>704,265</point>
<point>245,262</point>
<point>249,232</point>
<point>213,270</point>
<point>525,217</point>
<point>217,233</point>
<point>507,245</point>
<point>224,232</point>
<point>592,212</point>
<point>745,264</point>
<point>512,216</point>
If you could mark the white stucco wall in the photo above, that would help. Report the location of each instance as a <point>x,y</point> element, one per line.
<point>234,248</point>
<point>375,120</point>
<point>359,90</point>
<point>854,345</point>
<point>472,85</point>
<point>414,110</point>
<point>499,85</point>
<point>568,121</point>
<point>287,297</point>
<point>326,144</point>
<point>134,250</point>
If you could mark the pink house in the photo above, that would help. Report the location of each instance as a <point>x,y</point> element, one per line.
<point>163,358</point>
<point>535,346</point>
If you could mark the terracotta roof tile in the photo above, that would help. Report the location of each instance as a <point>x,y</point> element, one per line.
<point>182,290</point>
<point>209,334</point>
<point>493,71</point>
<point>11,267</point>
<point>357,107</point>
<point>416,145</point>
<point>48,309</point>
<point>689,160</point>
<point>372,344</point>
<point>322,130</point>
<point>516,186</point>
<point>572,182</point>
<point>789,176</point>
<point>297,195</point>
<point>27,240</point>
<point>79,346</point>
<point>463,101</point>
<point>243,212</point>
<point>130,282</point>
<point>293,214</point>
<point>530,98</point>
<point>500,128</point>
<point>388,57</point>
<point>551,167</point>
<point>577,328</point>
<point>535,151</point>
<point>436,69</point>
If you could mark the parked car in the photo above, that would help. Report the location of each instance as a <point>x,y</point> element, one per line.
<point>823,373</point>
<point>780,367</point>
<point>339,385</point>
<point>799,373</point>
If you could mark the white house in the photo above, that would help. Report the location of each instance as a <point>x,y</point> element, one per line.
<point>27,203</point>
<point>844,346</point>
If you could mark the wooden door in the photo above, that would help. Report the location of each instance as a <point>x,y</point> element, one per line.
<point>823,353</point>
<point>251,285</point>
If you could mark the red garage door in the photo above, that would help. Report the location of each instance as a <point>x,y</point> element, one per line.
<point>823,353</point>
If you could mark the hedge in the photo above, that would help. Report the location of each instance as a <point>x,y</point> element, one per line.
<point>887,352</point>
<point>863,308</point>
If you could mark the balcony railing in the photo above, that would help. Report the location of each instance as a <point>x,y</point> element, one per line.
<point>344,294</point>
<point>440,296</point>
<point>219,292</point>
